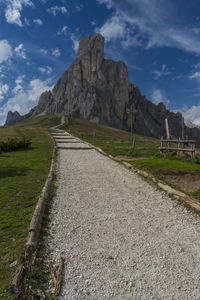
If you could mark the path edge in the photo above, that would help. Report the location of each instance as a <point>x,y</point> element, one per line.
<point>178,195</point>
<point>27,257</point>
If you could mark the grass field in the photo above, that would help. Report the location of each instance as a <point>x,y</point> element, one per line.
<point>23,173</point>
<point>22,177</point>
<point>180,172</point>
<point>113,141</point>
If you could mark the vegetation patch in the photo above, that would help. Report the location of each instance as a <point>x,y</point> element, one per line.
<point>164,166</point>
<point>38,278</point>
<point>22,177</point>
<point>15,144</point>
<point>181,173</point>
<point>23,174</point>
<point>111,140</point>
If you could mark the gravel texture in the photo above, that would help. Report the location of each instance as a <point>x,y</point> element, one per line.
<point>121,238</point>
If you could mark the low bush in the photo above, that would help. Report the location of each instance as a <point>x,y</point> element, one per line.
<point>13,144</point>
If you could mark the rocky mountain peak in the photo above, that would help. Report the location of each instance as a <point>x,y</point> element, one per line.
<point>91,44</point>
<point>13,117</point>
<point>98,89</point>
<point>91,56</point>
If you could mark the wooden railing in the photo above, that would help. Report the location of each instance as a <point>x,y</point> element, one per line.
<point>170,145</point>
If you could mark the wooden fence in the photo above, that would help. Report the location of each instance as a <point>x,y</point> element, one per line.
<point>178,145</point>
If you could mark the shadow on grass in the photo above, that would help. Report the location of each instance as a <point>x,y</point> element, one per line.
<point>3,154</point>
<point>12,171</point>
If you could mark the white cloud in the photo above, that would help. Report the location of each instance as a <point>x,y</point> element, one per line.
<point>158,96</point>
<point>25,98</point>
<point>38,22</point>
<point>13,11</point>
<point>64,30</point>
<point>47,70</point>
<point>56,52</point>
<point>18,84</point>
<point>195,75</point>
<point>151,23</point>
<point>54,10</point>
<point>43,51</point>
<point>114,28</point>
<point>197,66</point>
<point>20,51</point>
<point>163,72</point>
<point>3,90</point>
<point>26,21</point>
<point>5,51</point>
<point>117,28</point>
<point>75,42</point>
<point>108,3</point>
<point>192,115</point>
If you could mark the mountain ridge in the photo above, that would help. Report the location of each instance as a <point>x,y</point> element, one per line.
<point>98,89</point>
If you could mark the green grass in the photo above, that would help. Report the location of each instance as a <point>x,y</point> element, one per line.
<point>42,121</point>
<point>23,173</point>
<point>22,177</point>
<point>158,166</point>
<point>117,143</point>
<point>113,141</point>
<point>38,277</point>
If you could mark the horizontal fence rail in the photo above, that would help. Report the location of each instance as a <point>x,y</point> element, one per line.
<point>182,146</point>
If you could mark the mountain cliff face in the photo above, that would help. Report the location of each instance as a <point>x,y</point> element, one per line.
<point>97,89</point>
<point>92,88</point>
<point>13,118</point>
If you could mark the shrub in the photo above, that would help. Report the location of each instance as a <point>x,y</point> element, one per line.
<point>15,144</point>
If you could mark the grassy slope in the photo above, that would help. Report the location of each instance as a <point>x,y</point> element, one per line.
<point>117,142</point>
<point>22,176</point>
<point>112,140</point>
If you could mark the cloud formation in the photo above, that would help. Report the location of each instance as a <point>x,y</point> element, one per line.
<point>5,51</point>
<point>54,10</point>
<point>13,11</point>
<point>38,22</point>
<point>20,51</point>
<point>195,75</point>
<point>3,90</point>
<point>109,3</point>
<point>64,30</point>
<point>192,115</point>
<point>25,96</point>
<point>163,72</point>
<point>75,42</point>
<point>150,24</point>
<point>158,96</point>
<point>45,70</point>
<point>56,52</point>
<point>114,28</point>
<point>43,51</point>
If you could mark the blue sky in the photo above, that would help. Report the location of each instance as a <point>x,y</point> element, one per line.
<point>158,40</point>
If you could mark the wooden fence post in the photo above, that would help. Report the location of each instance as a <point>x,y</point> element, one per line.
<point>167,129</point>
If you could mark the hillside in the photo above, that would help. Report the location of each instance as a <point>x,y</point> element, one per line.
<point>22,176</point>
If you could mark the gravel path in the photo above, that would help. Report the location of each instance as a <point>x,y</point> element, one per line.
<point>120,237</point>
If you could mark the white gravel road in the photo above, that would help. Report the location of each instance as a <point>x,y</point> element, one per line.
<point>121,238</point>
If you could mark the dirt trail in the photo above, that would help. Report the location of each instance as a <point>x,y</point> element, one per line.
<point>121,238</point>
